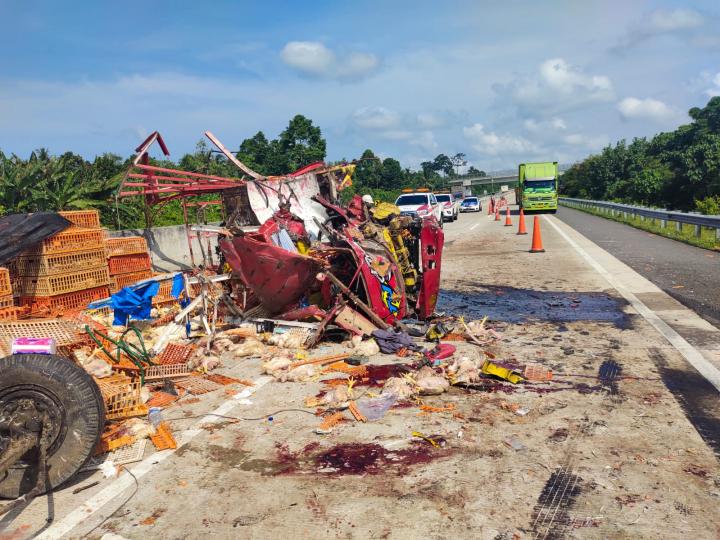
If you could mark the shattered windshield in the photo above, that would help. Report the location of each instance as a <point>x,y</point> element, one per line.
<point>411,200</point>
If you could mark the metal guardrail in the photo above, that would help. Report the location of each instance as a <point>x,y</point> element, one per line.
<point>698,220</point>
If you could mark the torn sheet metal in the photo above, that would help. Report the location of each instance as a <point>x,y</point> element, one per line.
<point>279,278</point>
<point>264,200</point>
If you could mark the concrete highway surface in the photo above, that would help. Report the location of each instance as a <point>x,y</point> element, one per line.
<point>688,273</point>
<point>622,443</point>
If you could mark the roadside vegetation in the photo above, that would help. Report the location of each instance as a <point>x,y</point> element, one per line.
<point>679,170</point>
<point>45,182</point>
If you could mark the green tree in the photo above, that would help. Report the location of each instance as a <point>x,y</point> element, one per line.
<point>300,144</point>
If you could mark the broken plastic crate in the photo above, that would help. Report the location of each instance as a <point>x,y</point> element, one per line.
<point>45,265</point>
<point>166,371</point>
<point>176,353</point>
<point>122,397</point>
<point>124,264</point>
<point>163,438</point>
<point>61,283</point>
<point>126,245</point>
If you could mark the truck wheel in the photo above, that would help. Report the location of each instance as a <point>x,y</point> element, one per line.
<point>38,384</point>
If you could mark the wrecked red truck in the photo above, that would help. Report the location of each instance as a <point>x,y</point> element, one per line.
<point>296,249</point>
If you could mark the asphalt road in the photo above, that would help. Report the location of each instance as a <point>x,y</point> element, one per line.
<point>689,274</point>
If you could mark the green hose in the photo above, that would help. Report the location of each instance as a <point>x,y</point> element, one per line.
<point>137,354</point>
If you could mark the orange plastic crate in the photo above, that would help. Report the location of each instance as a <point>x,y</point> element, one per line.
<point>126,245</point>
<point>123,280</point>
<point>45,265</point>
<point>6,301</point>
<point>122,397</point>
<point>11,313</point>
<point>88,219</point>
<point>5,287</point>
<point>123,264</point>
<point>68,241</point>
<point>65,302</point>
<point>176,353</point>
<point>61,283</point>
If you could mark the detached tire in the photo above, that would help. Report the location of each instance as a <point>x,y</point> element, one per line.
<point>75,406</point>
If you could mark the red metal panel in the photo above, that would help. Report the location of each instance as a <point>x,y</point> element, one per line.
<point>432,240</point>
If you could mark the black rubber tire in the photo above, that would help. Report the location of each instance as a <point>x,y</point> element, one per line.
<point>84,416</point>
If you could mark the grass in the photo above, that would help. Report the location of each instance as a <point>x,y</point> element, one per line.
<point>707,238</point>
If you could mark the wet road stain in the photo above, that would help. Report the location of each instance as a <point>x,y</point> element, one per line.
<point>696,396</point>
<point>516,305</point>
<point>345,459</point>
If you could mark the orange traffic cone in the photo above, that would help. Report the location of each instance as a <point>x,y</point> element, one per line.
<point>497,213</point>
<point>521,226</point>
<point>537,245</point>
<point>508,221</point>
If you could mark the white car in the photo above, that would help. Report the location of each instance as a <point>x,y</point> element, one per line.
<point>450,206</point>
<point>420,204</point>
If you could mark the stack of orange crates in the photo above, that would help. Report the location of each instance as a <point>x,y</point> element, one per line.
<point>8,311</point>
<point>66,271</point>
<point>128,261</point>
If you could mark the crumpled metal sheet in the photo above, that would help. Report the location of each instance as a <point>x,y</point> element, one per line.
<point>19,232</point>
<point>278,277</point>
<point>264,201</point>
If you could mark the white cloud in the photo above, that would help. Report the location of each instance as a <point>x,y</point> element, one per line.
<point>632,108</point>
<point>315,59</point>
<point>681,22</point>
<point>376,118</point>
<point>663,20</point>
<point>557,86</point>
<point>309,57</point>
<point>714,90</point>
<point>491,144</point>
<point>425,140</point>
<point>543,126</point>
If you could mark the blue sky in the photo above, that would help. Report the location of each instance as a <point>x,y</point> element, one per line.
<point>502,82</point>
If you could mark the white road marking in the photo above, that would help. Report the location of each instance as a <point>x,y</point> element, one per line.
<point>474,226</point>
<point>125,481</point>
<point>690,353</point>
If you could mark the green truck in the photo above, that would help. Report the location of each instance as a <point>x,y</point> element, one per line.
<point>537,189</point>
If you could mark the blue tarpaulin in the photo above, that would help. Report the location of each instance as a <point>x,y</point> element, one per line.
<point>133,303</point>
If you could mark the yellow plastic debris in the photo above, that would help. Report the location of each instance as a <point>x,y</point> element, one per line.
<point>507,374</point>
